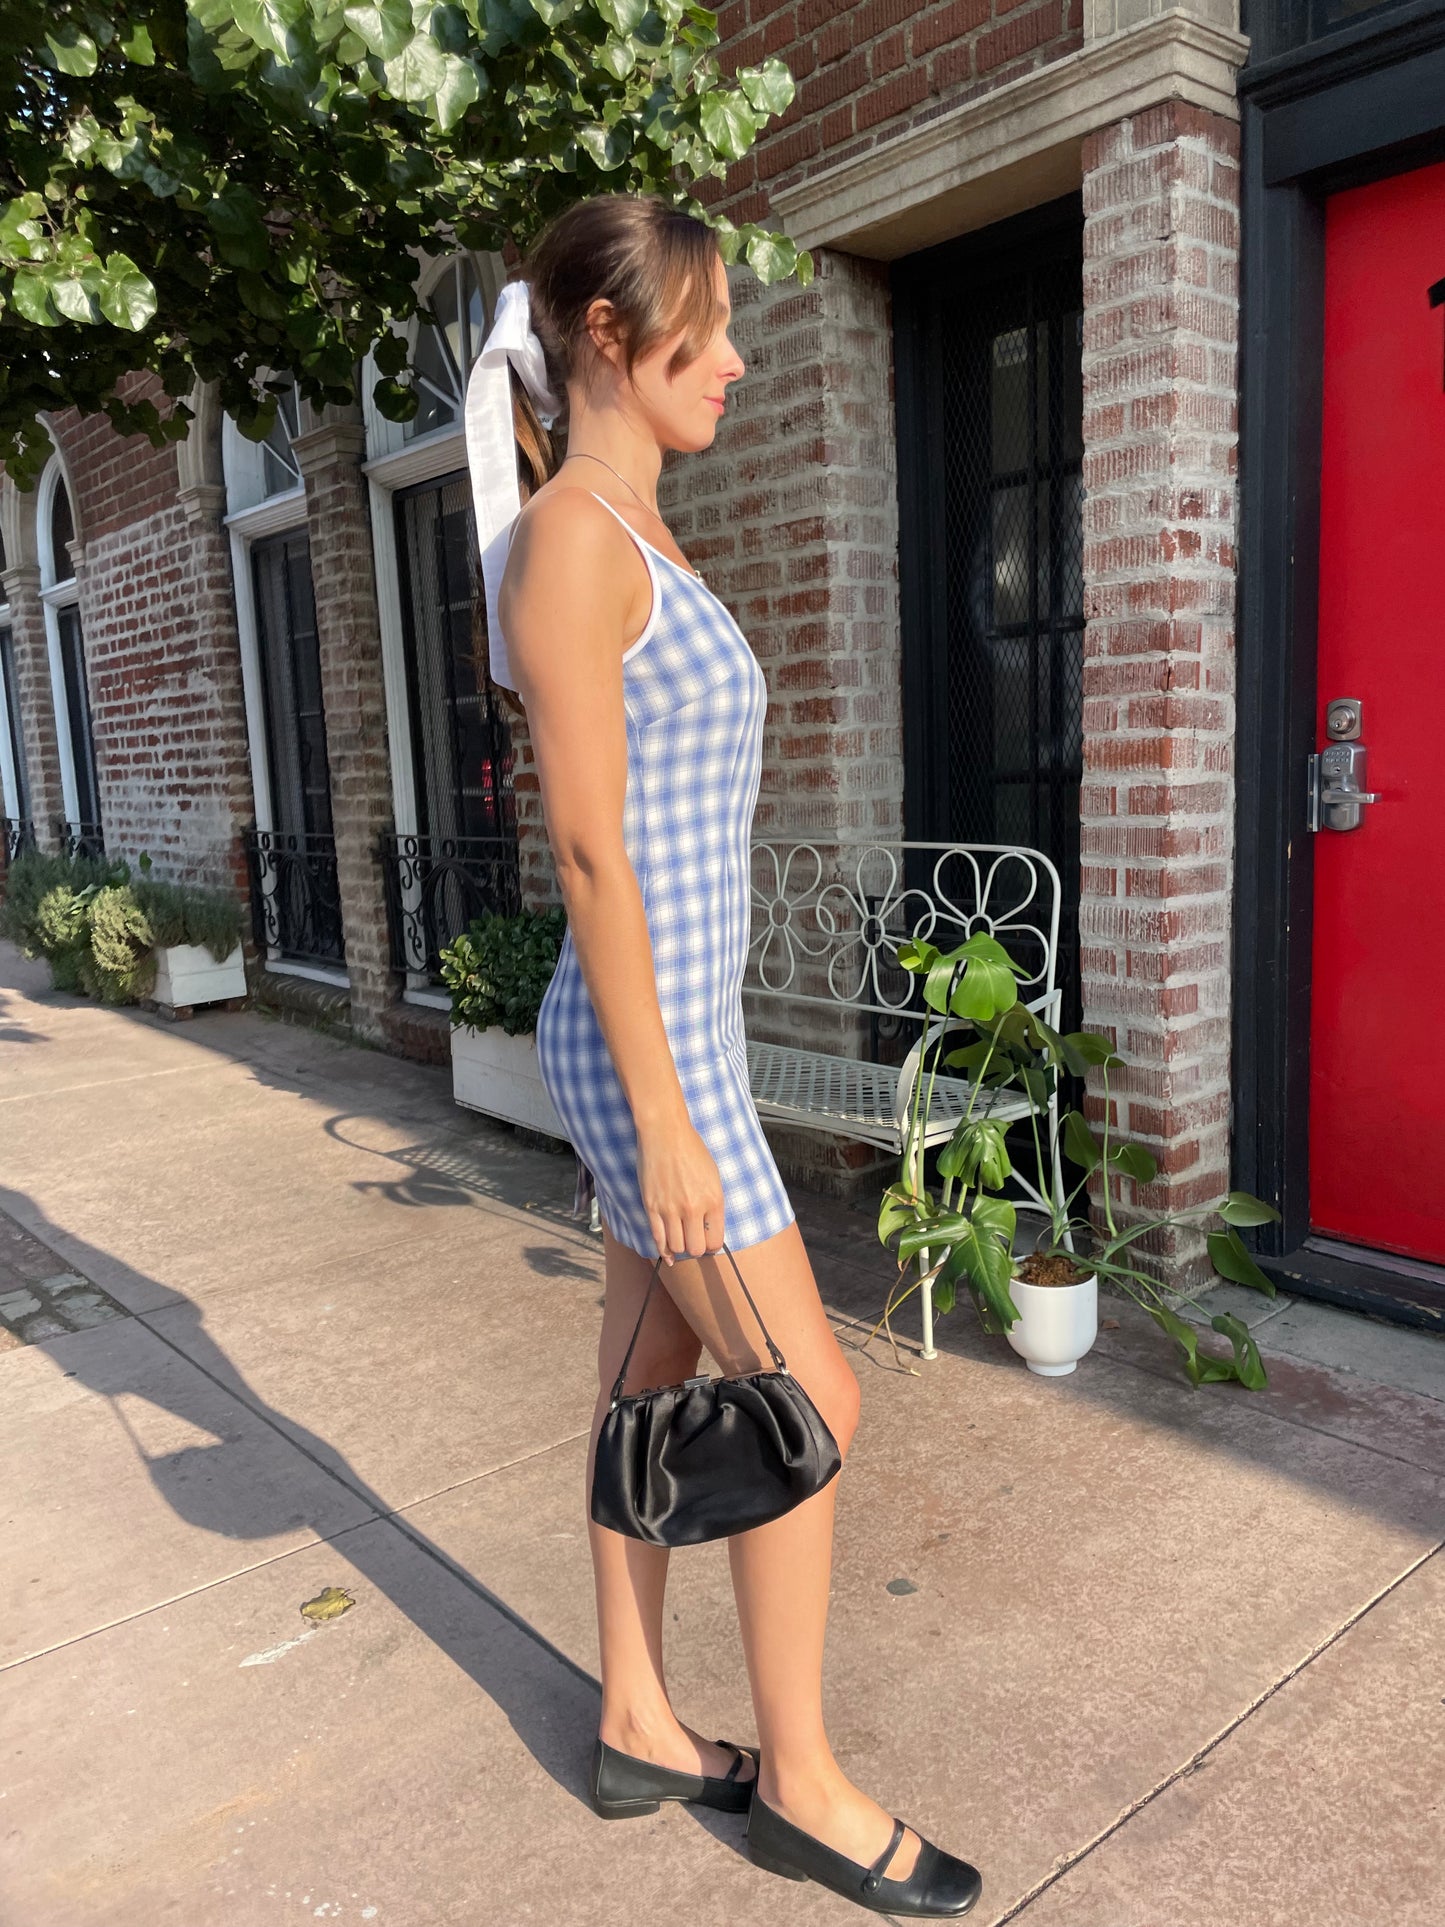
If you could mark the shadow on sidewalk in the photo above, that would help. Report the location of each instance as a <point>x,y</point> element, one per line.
<point>499,1650</point>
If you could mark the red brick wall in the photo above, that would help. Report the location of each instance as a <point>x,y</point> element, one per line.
<point>866,69</point>
<point>163,663</point>
<point>159,621</point>
<point>1161,199</point>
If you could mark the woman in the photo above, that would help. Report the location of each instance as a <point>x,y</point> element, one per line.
<point>645,710</point>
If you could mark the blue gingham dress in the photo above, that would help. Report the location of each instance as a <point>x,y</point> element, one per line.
<point>695,699</point>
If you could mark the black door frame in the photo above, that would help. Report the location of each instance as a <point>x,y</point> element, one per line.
<point>1039,238</point>
<point>1368,103</point>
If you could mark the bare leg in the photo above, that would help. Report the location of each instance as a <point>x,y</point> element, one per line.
<point>631,1577</point>
<point>780,1571</point>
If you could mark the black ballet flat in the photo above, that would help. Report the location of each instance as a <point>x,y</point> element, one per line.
<point>623,1787</point>
<point>939,1887</point>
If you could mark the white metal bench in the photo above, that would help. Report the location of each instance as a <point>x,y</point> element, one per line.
<point>827,921</point>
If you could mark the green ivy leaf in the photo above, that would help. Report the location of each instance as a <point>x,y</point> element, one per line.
<point>608,147</point>
<point>270,24</point>
<point>417,71</point>
<point>30,291</point>
<point>727,122</point>
<point>462,86</point>
<point>260,297</point>
<point>72,51</point>
<point>623,16</point>
<point>22,237</point>
<point>383,28</point>
<point>772,257</point>
<point>769,88</point>
<point>75,299</point>
<point>240,232</point>
<point>138,47</point>
<point>127,297</point>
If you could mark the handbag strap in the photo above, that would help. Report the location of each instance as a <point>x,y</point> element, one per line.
<point>777,1356</point>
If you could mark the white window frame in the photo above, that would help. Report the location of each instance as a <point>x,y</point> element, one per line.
<point>56,594</point>
<point>9,775</point>
<point>394,463</point>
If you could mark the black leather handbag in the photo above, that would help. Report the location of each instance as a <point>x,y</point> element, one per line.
<point>681,1464</point>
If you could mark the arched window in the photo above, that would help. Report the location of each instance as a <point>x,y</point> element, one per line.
<point>14,788</point>
<point>446,350</point>
<point>69,686</point>
<point>260,471</point>
<point>56,566</point>
<point>279,467</point>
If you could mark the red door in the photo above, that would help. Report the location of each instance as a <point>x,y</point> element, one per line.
<point>1377,1063</point>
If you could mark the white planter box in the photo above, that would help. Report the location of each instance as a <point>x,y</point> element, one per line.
<point>498,1074</point>
<point>1057,1324</point>
<point>187,974</point>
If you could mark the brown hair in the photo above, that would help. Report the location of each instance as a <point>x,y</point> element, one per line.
<point>650,260</point>
<point>654,264</point>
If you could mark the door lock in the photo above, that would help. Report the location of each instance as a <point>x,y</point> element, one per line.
<point>1337,793</point>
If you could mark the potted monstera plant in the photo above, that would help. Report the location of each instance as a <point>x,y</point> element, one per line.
<point>1042,1293</point>
<point>496,974</point>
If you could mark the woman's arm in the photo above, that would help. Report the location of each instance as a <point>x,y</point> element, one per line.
<point>574,595</point>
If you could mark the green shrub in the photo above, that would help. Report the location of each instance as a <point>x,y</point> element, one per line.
<point>98,930</point>
<point>30,879</point>
<point>60,932</point>
<point>498,971</point>
<point>118,965</point>
<point>179,914</point>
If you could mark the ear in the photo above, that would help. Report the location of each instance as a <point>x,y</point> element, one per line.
<point>601,324</point>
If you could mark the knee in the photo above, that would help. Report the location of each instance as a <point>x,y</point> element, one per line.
<point>837,1396</point>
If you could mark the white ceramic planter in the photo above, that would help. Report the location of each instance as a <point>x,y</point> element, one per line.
<point>187,974</point>
<point>498,1074</point>
<point>1057,1324</point>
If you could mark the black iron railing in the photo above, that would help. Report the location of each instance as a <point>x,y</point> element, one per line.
<point>18,833</point>
<point>295,898</point>
<point>80,839</point>
<point>436,886</point>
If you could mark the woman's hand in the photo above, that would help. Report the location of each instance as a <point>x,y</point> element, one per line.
<point>680,1187</point>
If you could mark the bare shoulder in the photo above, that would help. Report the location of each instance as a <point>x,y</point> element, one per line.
<point>567,533</point>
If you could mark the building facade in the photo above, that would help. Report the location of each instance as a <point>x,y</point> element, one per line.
<point>979,507</point>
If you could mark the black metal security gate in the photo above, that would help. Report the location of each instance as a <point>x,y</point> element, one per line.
<point>990,414</point>
<point>462,859</point>
<point>295,901</point>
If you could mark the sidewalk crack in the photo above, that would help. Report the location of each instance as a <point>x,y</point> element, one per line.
<point>1052,1879</point>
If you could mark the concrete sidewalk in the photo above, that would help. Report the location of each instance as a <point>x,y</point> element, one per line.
<point>1151,1657</point>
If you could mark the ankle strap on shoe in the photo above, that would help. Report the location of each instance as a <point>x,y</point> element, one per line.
<point>875,1872</point>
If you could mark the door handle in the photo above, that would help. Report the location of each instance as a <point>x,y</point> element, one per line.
<point>1337,793</point>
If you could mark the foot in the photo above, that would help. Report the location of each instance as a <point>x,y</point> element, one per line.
<point>833,1810</point>
<point>671,1744</point>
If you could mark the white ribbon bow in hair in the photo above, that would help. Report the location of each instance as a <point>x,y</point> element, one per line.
<point>492,447</point>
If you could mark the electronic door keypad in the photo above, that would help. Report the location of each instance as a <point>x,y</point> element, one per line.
<point>1337,793</point>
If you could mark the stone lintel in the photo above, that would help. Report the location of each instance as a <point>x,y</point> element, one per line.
<point>1014,148</point>
<point>333,444</point>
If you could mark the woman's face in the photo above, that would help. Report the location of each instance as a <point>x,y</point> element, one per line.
<point>683,410</point>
